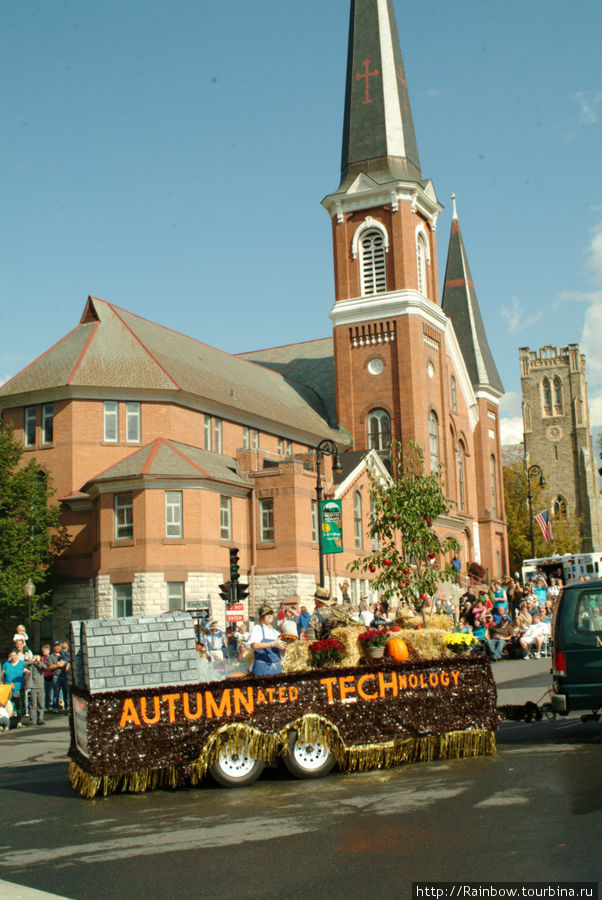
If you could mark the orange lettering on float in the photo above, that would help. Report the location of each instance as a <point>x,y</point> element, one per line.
<point>403,681</point>
<point>293,693</point>
<point>413,680</point>
<point>434,679</point>
<point>282,694</point>
<point>360,687</point>
<point>383,685</point>
<point>346,686</point>
<point>444,678</point>
<point>423,682</point>
<point>129,714</point>
<point>328,683</point>
<point>239,699</point>
<point>199,706</point>
<point>455,675</point>
<point>260,697</point>
<point>212,709</point>
<point>171,702</point>
<point>157,714</point>
<point>270,693</point>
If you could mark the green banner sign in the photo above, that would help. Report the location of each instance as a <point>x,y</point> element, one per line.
<point>331,520</point>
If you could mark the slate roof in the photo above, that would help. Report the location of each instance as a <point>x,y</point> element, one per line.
<point>460,303</point>
<point>114,348</point>
<point>310,363</point>
<point>378,132</point>
<point>170,459</point>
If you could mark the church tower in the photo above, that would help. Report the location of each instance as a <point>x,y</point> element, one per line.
<point>387,320</point>
<point>402,372</point>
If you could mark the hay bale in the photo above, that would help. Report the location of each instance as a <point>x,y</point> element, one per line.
<point>296,658</point>
<point>428,643</point>
<point>347,635</point>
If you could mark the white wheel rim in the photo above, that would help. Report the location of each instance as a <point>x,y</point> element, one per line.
<point>236,765</point>
<point>310,755</point>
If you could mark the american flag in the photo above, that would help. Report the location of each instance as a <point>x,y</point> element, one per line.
<point>545,526</point>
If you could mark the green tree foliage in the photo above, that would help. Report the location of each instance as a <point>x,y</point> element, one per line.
<point>404,508</point>
<point>566,529</point>
<point>31,536</point>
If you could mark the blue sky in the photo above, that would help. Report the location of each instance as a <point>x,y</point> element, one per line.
<point>171,159</point>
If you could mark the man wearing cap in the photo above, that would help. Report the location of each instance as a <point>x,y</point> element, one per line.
<point>325,616</point>
<point>56,664</point>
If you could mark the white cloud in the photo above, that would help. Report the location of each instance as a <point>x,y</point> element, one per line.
<point>511,430</point>
<point>516,319</point>
<point>511,404</point>
<point>588,106</point>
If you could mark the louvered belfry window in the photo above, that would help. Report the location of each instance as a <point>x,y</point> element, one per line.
<point>374,275</point>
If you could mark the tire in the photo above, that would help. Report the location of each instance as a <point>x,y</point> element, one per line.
<point>307,759</point>
<point>236,769</point>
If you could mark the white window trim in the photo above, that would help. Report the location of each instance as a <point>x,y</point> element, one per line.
<point>119,506</point>
<point>369,224</point>
<point>133,412</point>
<point>225,518</point>
<point>109,416</point>
<point>47,413</point>
<point>174,514</point>
<point>27,417</point>
<point>266,535</point>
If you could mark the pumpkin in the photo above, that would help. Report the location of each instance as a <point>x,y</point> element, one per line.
<point>397,649</point>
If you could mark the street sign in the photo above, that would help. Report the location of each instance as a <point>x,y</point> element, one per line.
<point>331,517</point>
<point>234,616</point>
<point>237,607</point>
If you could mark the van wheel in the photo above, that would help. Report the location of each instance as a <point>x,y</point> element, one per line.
<point>236,769</point>
<point>307,759</point>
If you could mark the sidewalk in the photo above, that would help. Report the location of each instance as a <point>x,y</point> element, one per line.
<point>9,891</point>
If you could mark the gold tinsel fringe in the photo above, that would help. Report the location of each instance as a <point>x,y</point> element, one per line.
<point>311,727</point>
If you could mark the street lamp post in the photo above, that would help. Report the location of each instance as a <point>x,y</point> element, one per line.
<point>324,448</point>
<point>531,471</point>
<point>29,590</point>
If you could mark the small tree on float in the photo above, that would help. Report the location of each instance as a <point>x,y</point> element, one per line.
<point>403,510</point>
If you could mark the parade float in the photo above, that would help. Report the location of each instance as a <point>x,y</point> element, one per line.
<point>145,713</point>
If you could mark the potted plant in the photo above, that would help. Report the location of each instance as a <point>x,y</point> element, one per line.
<point>460,643</point>
<point>326,651</point>
<point>374,641</point>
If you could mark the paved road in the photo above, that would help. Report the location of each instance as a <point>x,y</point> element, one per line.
<point>530,813</point>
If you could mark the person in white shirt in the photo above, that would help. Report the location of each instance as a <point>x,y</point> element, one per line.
<point>533,636</point>
<point>366,614</point>
<point>266,644</point>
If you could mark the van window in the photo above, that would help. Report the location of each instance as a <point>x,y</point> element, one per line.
<point>588,612</point>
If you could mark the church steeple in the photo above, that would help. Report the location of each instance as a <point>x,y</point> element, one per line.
<point>460,303</point>
<point>378,133</point>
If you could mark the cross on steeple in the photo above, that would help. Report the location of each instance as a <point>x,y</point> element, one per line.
<point>404,85</point>
<point>367,74</point>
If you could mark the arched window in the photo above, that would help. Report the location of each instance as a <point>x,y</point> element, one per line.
<point>379,430</point>
<point>547,397</point>
<point>357,521</point>
<point>557,395</point>
<point>434,441</point>
<point>454,396</point>
<point>372,263</point>
<point>560,507</point>
<point>421,263</point>
<point>461,492</point>
<point>493,487</point>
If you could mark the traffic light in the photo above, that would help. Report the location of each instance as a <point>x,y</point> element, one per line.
<point>234,567</point>
<point>242,591</point>
<point>225,592</point>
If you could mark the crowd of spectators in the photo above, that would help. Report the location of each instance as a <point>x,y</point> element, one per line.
<point>510,620</point>
<point>33,683</point>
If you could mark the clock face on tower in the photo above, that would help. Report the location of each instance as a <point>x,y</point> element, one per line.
<point>554,433</point>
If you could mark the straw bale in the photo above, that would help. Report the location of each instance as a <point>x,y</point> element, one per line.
<point>347,635</point>
<point>296,658</point>
<point>424,644</point>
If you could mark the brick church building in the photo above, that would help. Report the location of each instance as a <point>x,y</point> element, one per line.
<point>165,452</point>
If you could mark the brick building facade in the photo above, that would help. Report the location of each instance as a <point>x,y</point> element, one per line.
<point>166,452</point>
<point>558,437</point>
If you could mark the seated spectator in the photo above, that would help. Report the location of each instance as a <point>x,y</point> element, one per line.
<point>499,637</point>
<point>523,618</point>
<point>533,636</point>
<point>380,616</point>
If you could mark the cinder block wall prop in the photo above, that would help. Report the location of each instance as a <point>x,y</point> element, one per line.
<point>139,651</point>
<point>76,671</point>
